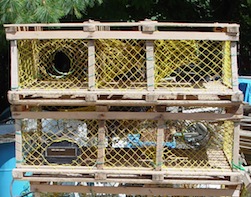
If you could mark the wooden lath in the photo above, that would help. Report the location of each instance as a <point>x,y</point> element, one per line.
<point>148,30</point>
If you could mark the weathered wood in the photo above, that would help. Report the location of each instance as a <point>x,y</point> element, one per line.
<point>157,35</point>
<point>79,102</point>
<point>235,109</point>
<point>174,94</point>
<point>234,66</point>
<point>129,190</point>
<point>91,64</point>
<point>14,65</point>
<point>125,24</point>
<point>126,115</point>
<point>160,142</point>
<point>150,65</point>
<point>236,145</point>
<point>169,172</point>
<point>130,180</point>
<point>245,133</point>
<point>18,143</point>
<point>101,142</point>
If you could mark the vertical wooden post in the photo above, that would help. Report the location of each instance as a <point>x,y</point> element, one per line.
<point>150,64</point>
<point>33,189</point>
<point>101,145</point>
<point>159,150</point>
<point>234,66</point>
<point>18,143</point>
<point>160,142</point>
<point>14,65</point>
<point>236,143</point>
<point>91,65</point>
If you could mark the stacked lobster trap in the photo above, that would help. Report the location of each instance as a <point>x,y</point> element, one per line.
<point>128,103</point>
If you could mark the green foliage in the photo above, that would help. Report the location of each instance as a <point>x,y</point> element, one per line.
<point>42,11</point>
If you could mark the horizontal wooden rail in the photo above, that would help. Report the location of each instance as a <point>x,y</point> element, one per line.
<point>126,115</point>
<point>157,35</point>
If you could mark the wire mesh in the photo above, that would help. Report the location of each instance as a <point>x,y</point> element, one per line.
<point>200,145</point>
<point>128,143</point>
<point>60,142</point>
<point>190,63</point>
<point>121,64</point>
<point>53,64</point>
<point>131,143</point>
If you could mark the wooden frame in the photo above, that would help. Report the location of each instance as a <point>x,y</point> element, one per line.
<point>231,99</point>
<point>234,66</point>
<point>14,65</point>
<point>91,30</point>
<point>176,35</point>
<point>127,115</point>
<point>129,97</point>
<point>15,32</point>
<point>148,190</point>
<point>91,65</point>
<point>170,176</point>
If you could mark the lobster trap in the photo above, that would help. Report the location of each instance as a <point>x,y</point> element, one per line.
<point>121,64</point>
<point>102,58</point>
<point>128,103</point>
<point>136,144</point>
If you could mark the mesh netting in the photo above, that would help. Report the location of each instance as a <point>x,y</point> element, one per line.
<point>203,145</point>
<point>122,64</point>
<point>127,143</point>
<point>68,142</point>
<point>53,64</point>
<point>199,64</point>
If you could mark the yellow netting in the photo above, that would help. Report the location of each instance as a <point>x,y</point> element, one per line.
<point>56,142</point>
<point>53,64</point>
<point>121,64</point>
<point>190,63</point>
<point>208,150</point>
<point>127,143</point>
<point>227,142</point>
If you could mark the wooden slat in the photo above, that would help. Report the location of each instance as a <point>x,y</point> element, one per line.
<point>150,65</point>
<point>91,65</point>
<point>234,66</point>
<point>160,142</point>
<point>79,102</point>
<point>125,24</point>
<point>134,190</point>
<point>245,133</point>
<point>18,143</point>
<point>169,172</point>
<point>245,144</point>
<point>128,180</point>
<point>101,139</point>
<point>163,92</point>
<point>157,35</point>
<point>236,145</point>
<point>14,65</point>
<point>125,115</point>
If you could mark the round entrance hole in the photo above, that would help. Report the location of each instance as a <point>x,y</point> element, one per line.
<point>62,63</point>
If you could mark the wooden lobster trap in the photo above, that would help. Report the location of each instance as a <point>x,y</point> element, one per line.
<point>141,105</point>
<point>127,60</point>
<point>130,140</point>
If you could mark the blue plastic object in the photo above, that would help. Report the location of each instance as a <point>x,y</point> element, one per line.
<point>7,163</point>
<point>134,142</point>
<point>245,87</point>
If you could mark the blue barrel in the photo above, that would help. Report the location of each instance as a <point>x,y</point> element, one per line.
<point>7,163</point>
